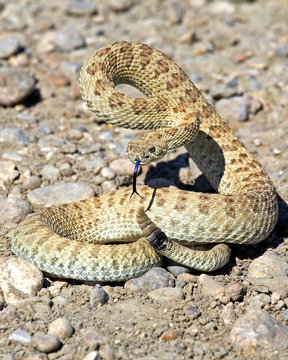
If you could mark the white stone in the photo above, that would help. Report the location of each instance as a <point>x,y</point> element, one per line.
<point>19,279</point>
<point>61,327</point>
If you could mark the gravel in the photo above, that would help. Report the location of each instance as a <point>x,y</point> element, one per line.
<point>54,150</point>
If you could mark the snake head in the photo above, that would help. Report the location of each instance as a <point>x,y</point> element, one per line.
<point>145,151</point>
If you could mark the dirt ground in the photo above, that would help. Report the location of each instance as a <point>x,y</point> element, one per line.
<point>236,52</point>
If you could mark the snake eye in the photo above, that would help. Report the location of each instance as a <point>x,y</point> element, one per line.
<point>152,149</point>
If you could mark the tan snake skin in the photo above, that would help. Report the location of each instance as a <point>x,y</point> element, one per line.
<point>70,241</point>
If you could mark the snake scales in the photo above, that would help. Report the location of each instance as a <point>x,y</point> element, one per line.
<point>61,240</point>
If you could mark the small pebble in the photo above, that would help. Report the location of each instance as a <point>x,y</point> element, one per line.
<point>120,5</point>
<point>60,300</point>
<point>177,270</point>
<point>228,314</point>
<point>10,155</point>
<point>210,287</point>
<point>170,334</point>
<point>166,295</point>
<point>59,80</point>
<point>75,134</point>
<point>46,343</point>
<point>68,39</point>
<point>107,173</point>
<point>21,336</point>
<point>9,46</point>
<point>50,172</point>
<point>94,339</point>
<point>62,328</point>
<point>93,355</point>
<point>12,135</point>
<point>98,296</point>
<point>192,310</point>
<point>81,8</point>
<point>153,279</point>
<point>32,182</point>
<point>236,291</point>
<point>62,193</point>
<point>15,86</point>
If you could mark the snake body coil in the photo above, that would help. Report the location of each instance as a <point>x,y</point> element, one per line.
<point>71,240</point>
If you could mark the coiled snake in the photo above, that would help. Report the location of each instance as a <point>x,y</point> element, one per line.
<point>71,240</point>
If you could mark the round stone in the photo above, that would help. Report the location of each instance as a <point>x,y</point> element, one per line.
<point>15,86</point>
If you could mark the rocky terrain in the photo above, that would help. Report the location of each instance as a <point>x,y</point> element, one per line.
<point>54,150</point>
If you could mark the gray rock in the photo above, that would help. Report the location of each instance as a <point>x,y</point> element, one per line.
<point>21,336</point>
<point>107,173</point>
<point>153,279</point>
<point>13,156</point>
<point>259,331</point>
<point>9,46</point>
<point>211,287</point>
<point>12,135</point>
<point>268,265</point>
<point>50,172</point>
<point>98,296</point>
<point>15,86</point>
<point>94,338</point>
<point>32,182</point>
<point>69,39</point>
<point>166,295</point>
<point>60,194</point>
<point>46,343</point>
<point>81,8</point>
<point>177,270</point>
<point>233,109</point>
<point>236,291</point>
<point>13,210</point>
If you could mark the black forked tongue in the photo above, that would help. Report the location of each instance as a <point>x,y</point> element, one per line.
<point>135,178</point>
